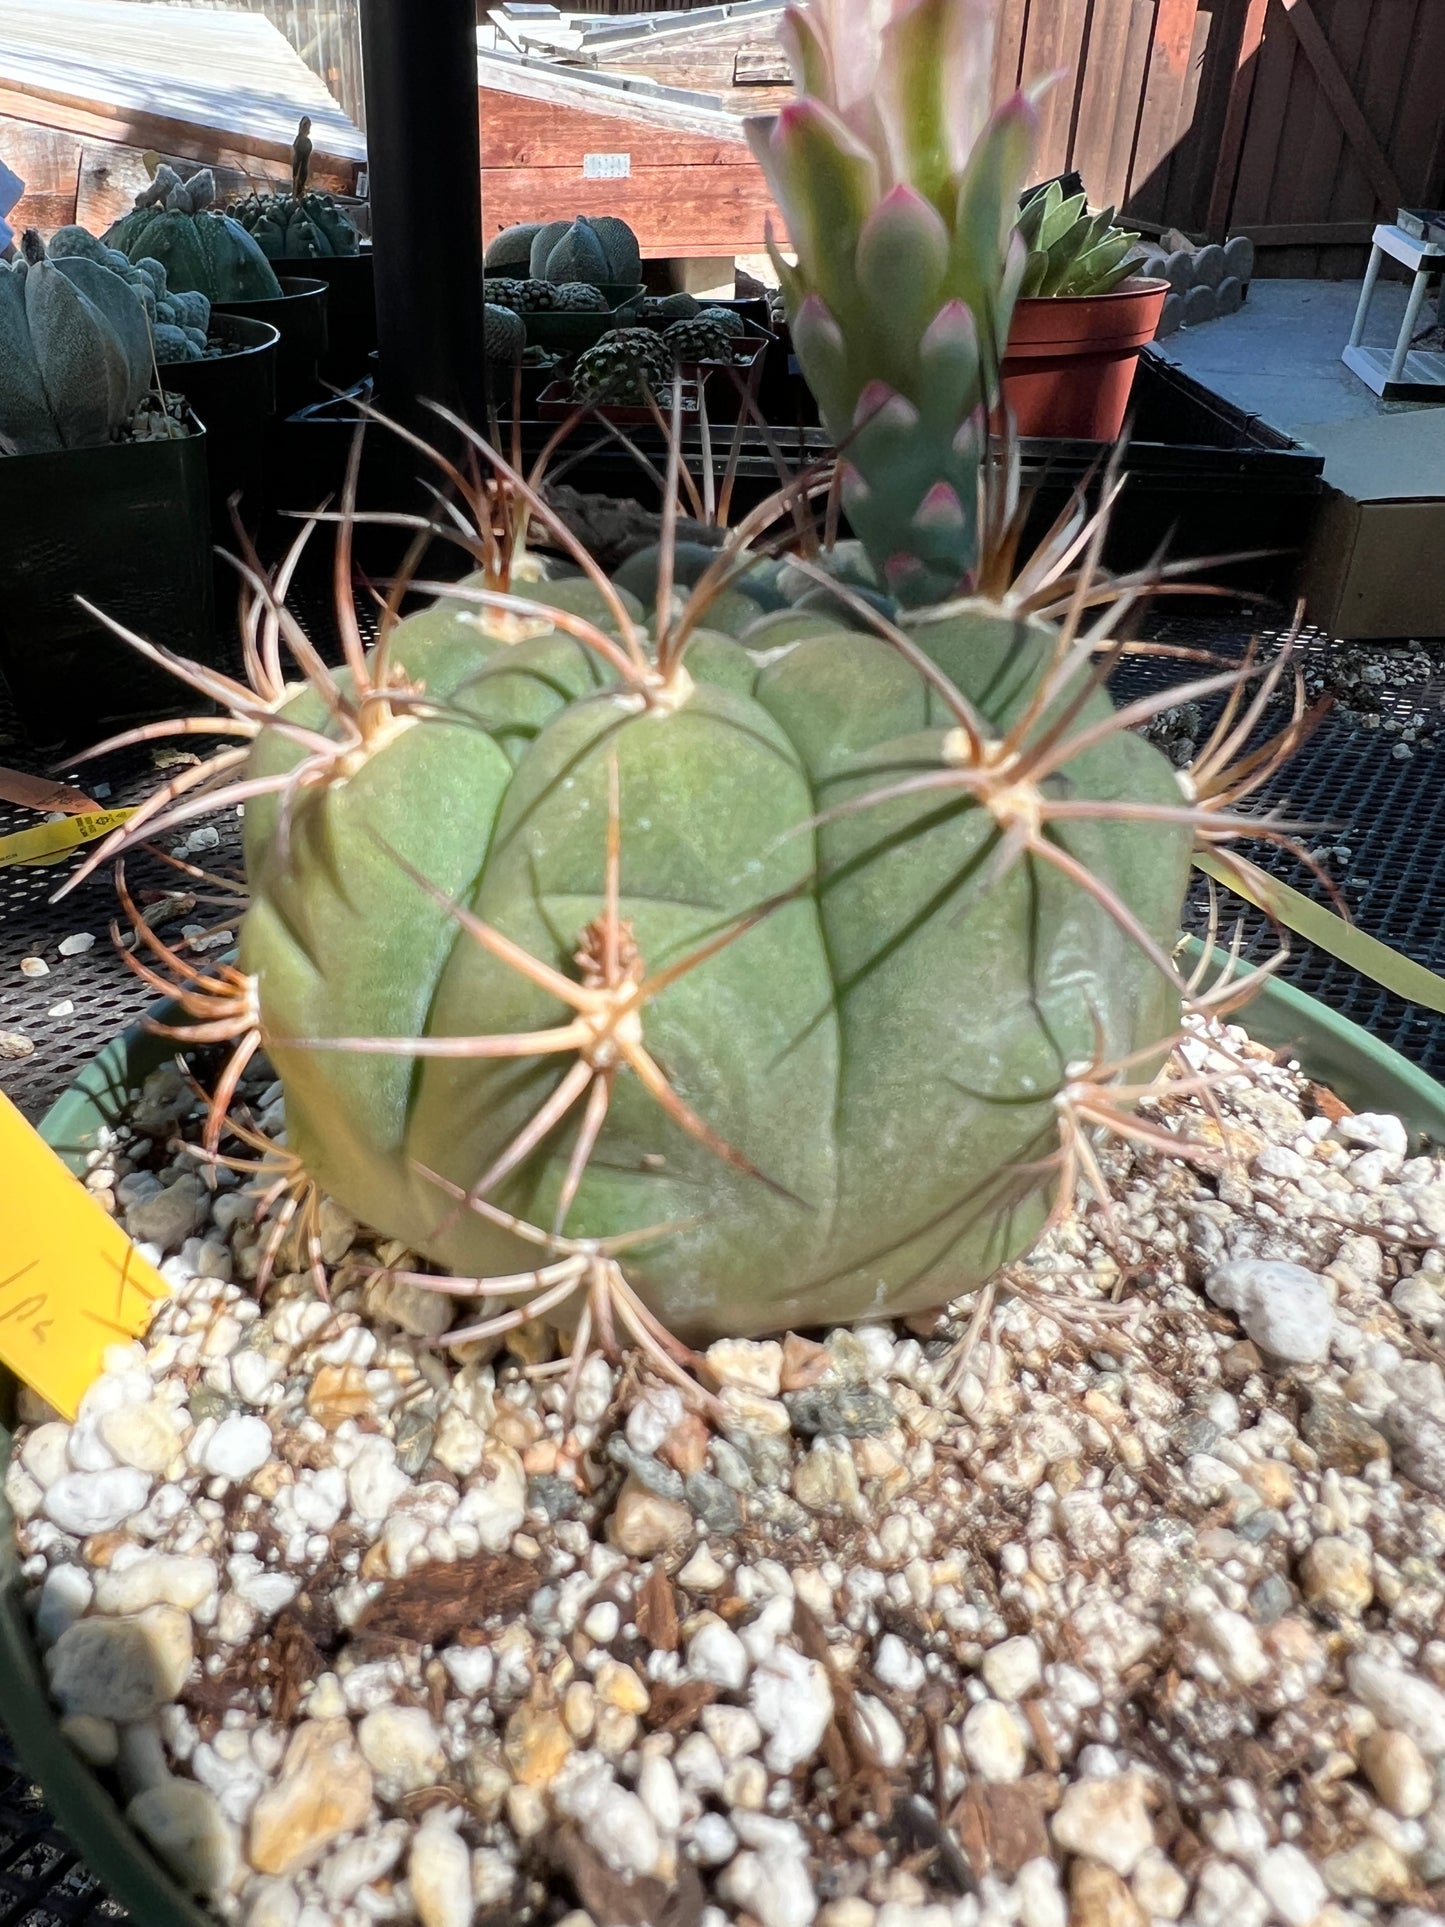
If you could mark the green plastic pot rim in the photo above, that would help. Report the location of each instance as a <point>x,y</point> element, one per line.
<point>1280,1014</point>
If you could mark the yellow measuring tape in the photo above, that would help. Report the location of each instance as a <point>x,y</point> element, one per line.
<point>51,842</point>
<point>71,1281</point>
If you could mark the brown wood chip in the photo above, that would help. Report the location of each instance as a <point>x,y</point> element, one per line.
<point>436,1601</point>
<point>657,1612</point>
<point>1002,1827</point>
<point>609,1896</point>
<point>676,1705</point>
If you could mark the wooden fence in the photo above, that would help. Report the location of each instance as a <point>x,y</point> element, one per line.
<point>1298,122</point>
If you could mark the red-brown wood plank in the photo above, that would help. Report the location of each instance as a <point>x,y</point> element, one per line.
<point>1336,90</point>
<point>1055,41</point>
<point>1186,181</point>
<point>1102,98</point>
<point>520,132</point>
<point>1326,155</point>
<point>1008,52</point>
<point>1231,141</point>
<point>1419,121</point>
<point>1278,54</point>
<point>49,163</point>
<point>675,211</point>
<point>1123,116</point>
<point>1164,91</point>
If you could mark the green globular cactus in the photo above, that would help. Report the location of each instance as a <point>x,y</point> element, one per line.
<point>75,353</point>
<point>699,340</point>
<point>623,366</point>
<point>600,249</point>
<point>769,953</point>
<point>511,250</point>
<point>755,978</point>
<point>312,229</point>
<point>580,297</point>
<point>1072,252</point>
<point>671,307</point>
<point>175,223</point>
<point>504,334</point>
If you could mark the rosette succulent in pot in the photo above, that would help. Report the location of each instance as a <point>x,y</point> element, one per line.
<point>900,190</point>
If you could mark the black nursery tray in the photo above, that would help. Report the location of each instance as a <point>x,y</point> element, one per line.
<point>1202,477</point>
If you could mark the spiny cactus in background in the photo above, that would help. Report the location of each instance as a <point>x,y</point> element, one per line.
<point>314,228</point>
<point>709,336</point>
<point>1072,252</point>
<point>671,307</point>
<point>900,192</point>
<point>75,351</point>
<point>770,954</point>
<point>504,334</point>
<point>623,366</point>
<point>175,222</point>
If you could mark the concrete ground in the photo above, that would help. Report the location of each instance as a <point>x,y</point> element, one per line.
<point>1279,357</point>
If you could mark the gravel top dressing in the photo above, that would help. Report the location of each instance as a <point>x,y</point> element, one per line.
<point>1112,1596</point>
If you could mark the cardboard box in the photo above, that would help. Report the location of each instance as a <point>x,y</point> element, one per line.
<point>1375,567</point>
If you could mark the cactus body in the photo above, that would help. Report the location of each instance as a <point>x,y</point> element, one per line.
<point>312,229</point>
<point>580,297</point>
<point>598,250</point>
<point>200,248</point>
<point>74,351</point>
<point>833,1045</point>
<point>622,366</point>
<point>504,334</point>
<point>699,340</point>
<point>512,248</point>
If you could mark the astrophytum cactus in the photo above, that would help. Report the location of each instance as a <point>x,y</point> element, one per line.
<point>900,191</point>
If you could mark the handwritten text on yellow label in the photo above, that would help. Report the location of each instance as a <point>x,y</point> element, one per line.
<point>71,1281</point>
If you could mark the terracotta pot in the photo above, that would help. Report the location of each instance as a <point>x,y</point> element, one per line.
<point>1069,364</point>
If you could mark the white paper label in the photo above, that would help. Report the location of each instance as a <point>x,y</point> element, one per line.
<point>606,167</point>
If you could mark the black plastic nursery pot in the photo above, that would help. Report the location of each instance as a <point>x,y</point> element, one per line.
<point>235,396</point>
<point>350,307</point>
<point>126,526</point>
<point>299,315</point>
<point>1365,1074</point>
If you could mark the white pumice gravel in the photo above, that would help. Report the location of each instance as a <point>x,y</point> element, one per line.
<point>1120,1603</point>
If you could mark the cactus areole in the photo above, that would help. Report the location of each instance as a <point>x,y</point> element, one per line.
<point>773,955</point>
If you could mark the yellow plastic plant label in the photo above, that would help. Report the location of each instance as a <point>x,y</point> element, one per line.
<point>71,1281</point>
<point>48,842</point>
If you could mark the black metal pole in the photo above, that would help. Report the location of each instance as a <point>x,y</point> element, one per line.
<point>424,162</point>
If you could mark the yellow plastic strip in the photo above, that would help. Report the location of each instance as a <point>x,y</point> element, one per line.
<point>71,1281</point>
<point>48,842</point>
<point>1381,963</point>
